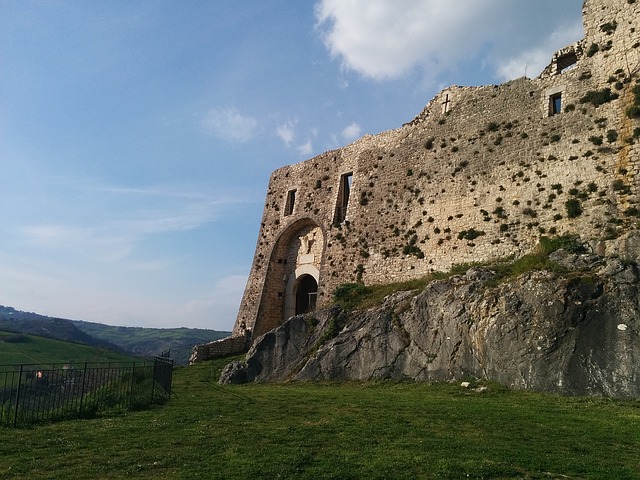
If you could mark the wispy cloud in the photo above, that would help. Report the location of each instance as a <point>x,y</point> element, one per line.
<point>156,265</point>
<point>306,148</point>
<point>227,123</point>
<point>115,236</point>
<point>52,234</point>
<point>286,132</point>
<point>532,61</point>
<point>352,131</point>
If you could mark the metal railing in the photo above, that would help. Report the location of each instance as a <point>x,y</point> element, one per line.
<point>180,354</point>
<point>38,393</point>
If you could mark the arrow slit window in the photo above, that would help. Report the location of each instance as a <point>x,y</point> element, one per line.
<point>291,201</point>
<point>343,197</point>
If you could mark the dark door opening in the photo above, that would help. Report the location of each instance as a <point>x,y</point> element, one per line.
<point>306,294</point>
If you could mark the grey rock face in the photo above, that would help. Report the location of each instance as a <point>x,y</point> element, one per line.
<point>234,373</point>
<point>574,335</point>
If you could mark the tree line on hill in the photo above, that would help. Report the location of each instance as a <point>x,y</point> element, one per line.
<point>139,341</point>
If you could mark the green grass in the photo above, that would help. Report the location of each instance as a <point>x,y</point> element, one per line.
<point>351,296</point>
<point>23,349</point>
<point>357,296</point>
<point>340,431</point>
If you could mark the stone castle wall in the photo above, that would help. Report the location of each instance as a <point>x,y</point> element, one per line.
<point>234,345</point>
<point>479,174</point>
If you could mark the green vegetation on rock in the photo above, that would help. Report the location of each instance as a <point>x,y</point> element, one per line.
<point>357,296</point>
<point>599,97</point>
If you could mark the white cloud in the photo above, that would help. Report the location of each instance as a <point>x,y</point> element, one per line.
<point>286,132</point>
<point>305,149</point>
<point>352,132</point>
<point>383,39</point>
<point>229,124</point>
<point>532,61</point>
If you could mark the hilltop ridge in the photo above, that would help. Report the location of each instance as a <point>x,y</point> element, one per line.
<point>139,341</point>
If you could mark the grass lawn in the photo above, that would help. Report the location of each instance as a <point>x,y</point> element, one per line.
<point>340,431</point>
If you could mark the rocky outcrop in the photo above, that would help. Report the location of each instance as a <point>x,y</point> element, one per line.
<point>574,334</point>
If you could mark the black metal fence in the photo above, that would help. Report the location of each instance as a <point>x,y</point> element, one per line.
<point>36,393</point>
<point>180,354</point>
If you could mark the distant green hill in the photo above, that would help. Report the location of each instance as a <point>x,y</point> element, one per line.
<point>138,341</point>
<point>20,348</point>
<point>51,327</point>
<point>150,341</point>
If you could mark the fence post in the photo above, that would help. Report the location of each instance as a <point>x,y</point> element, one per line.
<point>133,375</point>
<point>15,413</point>
<point>153,379</point>
<point>84,377</point>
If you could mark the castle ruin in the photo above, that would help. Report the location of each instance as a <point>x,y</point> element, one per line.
<point>481,173</point>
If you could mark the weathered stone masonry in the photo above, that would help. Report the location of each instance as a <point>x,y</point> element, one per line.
<point>480,173</point>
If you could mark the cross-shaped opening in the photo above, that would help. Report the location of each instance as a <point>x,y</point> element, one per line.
<point>445,104</point>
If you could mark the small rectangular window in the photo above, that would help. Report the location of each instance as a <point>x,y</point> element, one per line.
<point>555,104</point>
<point>291,201</point>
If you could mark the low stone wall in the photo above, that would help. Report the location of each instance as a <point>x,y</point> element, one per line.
<point>232,345</point>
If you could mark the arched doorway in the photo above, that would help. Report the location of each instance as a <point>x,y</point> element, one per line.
<point>297,253</point>
<point>302,291</point>
<point>306,294</point>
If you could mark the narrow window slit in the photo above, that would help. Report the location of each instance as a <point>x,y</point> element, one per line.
<point>291,201</point>
<point>343,197</point>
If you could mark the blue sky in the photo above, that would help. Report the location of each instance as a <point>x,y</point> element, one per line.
<point>137,137</point>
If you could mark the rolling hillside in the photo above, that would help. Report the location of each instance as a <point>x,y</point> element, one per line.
<point>17,321</point>
<point>138,341</point>
<point>19,348</point>
<point>149,341</point>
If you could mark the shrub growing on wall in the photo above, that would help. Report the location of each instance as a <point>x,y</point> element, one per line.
<point>599,97</point>
<point>574,209</point>
<point>470,234</point>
